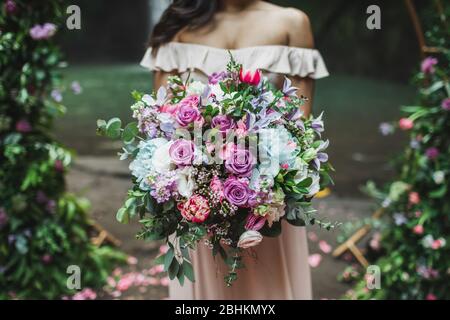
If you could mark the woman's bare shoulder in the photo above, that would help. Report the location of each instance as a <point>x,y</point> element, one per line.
<point>295,23</point>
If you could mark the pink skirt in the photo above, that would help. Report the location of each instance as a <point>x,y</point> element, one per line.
<point>279,271</point>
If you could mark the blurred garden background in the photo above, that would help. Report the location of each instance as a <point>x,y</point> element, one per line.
<point>370,79</point>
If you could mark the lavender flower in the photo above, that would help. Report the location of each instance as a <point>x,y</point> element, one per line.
<point>386,128</point>
<point>56,95</point>
<point>317,124</point>
<point>42,32</point>
<point>288,90</point>
<point>216,77</point>
<point>76,87</point>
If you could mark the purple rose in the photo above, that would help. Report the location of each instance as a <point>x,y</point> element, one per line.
<point>432,153</point>
<point>240,162</point>
<point>428,64</point>
<point>216,77</point>
<point>223,123</point>
<point>236,192</point>
<point>182,152</point>
<point>446,104</point>
<point>187,114</point>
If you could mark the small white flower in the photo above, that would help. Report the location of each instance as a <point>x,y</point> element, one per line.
<point>439,177</point>
<point>185,182</point>
<point>196,88</point>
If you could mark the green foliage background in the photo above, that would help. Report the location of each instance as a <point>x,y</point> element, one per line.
<point>43,230</point>
<point>404,251</point>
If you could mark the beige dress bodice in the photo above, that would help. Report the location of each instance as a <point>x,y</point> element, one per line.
<point>200,61</point>
<point>280,270</point>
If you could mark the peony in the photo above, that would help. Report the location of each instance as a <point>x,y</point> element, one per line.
<point>249,238</point>
<point>428,64</point>
<point>405,124</point>
<point>252,78</point>
<point>240,162</point>
<point>182,152</point>
<point>236,191</point>
<point>223,123</point>
<point>196,209</point>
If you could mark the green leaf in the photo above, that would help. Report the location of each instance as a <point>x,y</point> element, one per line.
<point>305,183</point>
<point>173,269</point>
<point>122,216</point>
<point>439,193</point>
<point>113,128</point>
<point>168,258</point>
<point>188,270</point>
<point>180,274</point>
<point>130,132</point>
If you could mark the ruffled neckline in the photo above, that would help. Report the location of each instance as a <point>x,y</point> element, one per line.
<point>183,57</point>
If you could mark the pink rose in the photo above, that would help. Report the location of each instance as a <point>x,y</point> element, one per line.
<point>405,124</point>
<point>249,238</point>
<point>182,152</point>
<point>187,115</point>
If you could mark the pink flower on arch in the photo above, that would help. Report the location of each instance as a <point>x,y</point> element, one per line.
<point>446,104</point>
<point>428,64</point>
<point>405,124</point>
<point>418,229</point>
<point>432,153</point>
<point>414,198</point>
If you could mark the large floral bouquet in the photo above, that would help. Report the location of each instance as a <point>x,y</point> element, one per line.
<point>222,162</point>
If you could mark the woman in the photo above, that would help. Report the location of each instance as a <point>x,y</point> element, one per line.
<point>194,37</point>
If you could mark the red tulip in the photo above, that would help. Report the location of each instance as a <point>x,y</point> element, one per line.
<point>250,77</point>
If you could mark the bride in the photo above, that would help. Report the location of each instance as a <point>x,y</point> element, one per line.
<point>193,37</point>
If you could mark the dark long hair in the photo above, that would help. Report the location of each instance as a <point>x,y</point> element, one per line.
<point>180,14</point>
